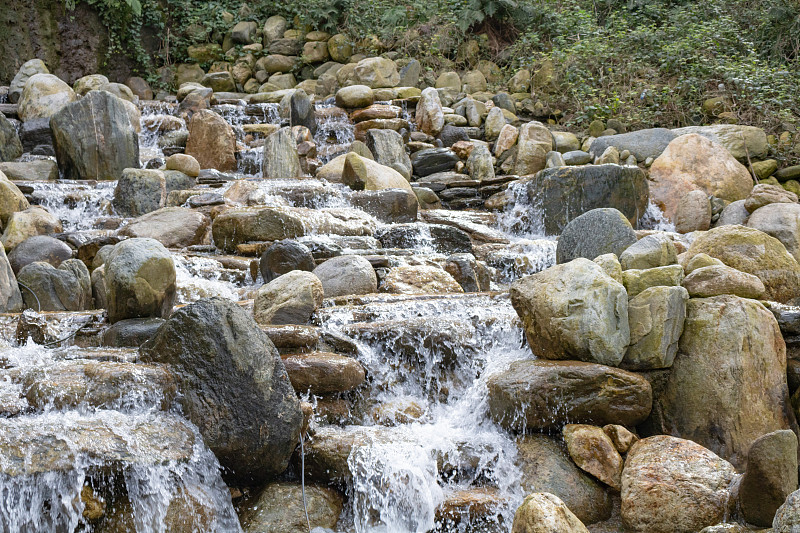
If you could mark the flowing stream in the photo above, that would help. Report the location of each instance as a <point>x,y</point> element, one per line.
<point>422,415</point>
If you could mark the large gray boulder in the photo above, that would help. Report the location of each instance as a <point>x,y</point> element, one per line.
<point>280,156</point>
<point>656,317</point>
<point>94,138</point>
<point>234,387</point>
<point>642,143</point>
<point>770,476</point>
<point>139,192</point>
<point>539,394</point>
<point>347,274</point>
<point>66,288</point>
<point>671,485</point>
<point>574,311</point>
<point>10,297</point>
<point>727,386</point>
<point>594,233</point>
<point>139,280</point>
<point>388,148</point>
<point>289,299</point>
<point>10,145</point>
<point>301,111</point>
<point>546,466</point>
<point>564,193</point>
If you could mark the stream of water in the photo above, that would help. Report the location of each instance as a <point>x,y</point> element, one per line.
<point>423,410</point>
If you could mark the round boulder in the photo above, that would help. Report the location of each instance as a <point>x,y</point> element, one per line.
<point>283,257</point>
<point>39,248</point>
<point>597,232</point>
<point>139,280</point>
<point>289,299</point>
<point>346,275</point>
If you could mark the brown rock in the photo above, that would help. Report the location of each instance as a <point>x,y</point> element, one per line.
<point>595,453</point>
<point>693,162</point>
<point>211,141</point>
<point>672,485</point>
<point>621,437</point>
<point>323,372</point>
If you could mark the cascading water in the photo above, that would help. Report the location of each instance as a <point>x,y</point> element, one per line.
<point>401,475</point>
<point>335,132</point>
<point>69,459</point>
<point>77,205</point>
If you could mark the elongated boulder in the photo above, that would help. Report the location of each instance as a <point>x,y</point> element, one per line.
<point>43,96</point>
<point>641,143</point>
<point>693,162</point>
<point>10,145</point>
<point>280,156</point>
<point>533,395</point>
<point>429,114</point>
<point>236,226</point>
<point>562,194</point>
<point>727,386</point>
<point>66,288</point>
<point>716,280</point>
<point>360,174</point>
<point>234,387</point>
<point>323,373</point>
<point>211,141</point>
<point>139,280</point>
<point>671,485</point>
<point>770,476</point>
<point>94,138</point>
<point>533,144</point>
<point>754,252</point>
<point>174,227</point>
<point>574,311</point>
<point>10,297</point>
<point>742,142</point>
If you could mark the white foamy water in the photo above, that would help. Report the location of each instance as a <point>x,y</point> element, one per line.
<point>402,474</point>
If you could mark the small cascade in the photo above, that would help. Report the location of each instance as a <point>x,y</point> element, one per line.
<point>70,461</point>
<point>263,113</point>
<point>335,132</point>
<point>77,204</point>
<point>434,355</point>
<point>157,118</point>
<point>204,277</point>
<point>654,219</point>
